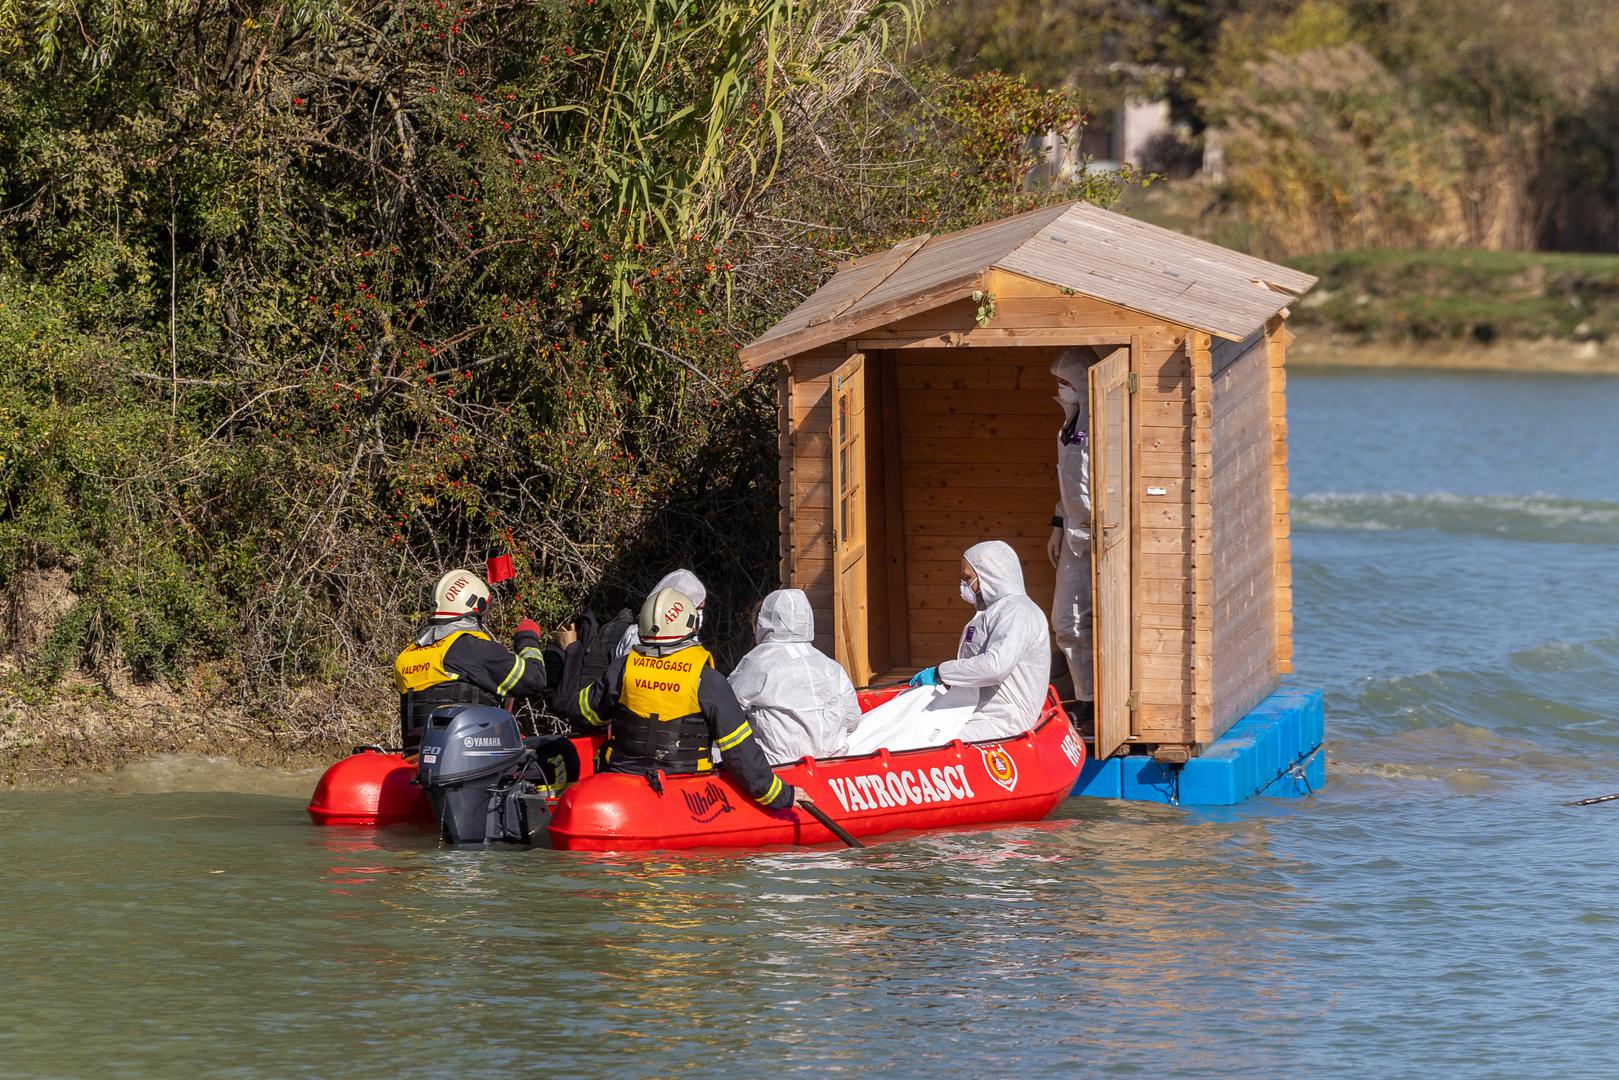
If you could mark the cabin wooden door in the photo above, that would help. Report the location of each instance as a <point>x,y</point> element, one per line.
<point>1112,497</point>
<point>850,602</point>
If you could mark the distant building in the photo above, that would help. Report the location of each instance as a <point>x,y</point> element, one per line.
<point>1113,137</point>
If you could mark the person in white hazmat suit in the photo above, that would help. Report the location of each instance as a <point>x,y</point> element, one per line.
<point>799,701</point>
<point>683,581</point>
<point>1005,651</point>
<point>1070,545</point>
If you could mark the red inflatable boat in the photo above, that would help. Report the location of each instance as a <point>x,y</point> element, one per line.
<point>373,788</point>
<point>370,787</point>
<point>1018,779</point>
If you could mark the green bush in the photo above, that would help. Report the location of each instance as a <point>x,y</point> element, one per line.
<point>301,308</point>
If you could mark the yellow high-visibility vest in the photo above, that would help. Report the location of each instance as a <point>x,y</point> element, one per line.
<point>660,690</point>
<point>422,666</point>
<point>664,687</point>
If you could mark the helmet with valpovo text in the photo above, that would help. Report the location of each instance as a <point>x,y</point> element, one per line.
<point>668,617</point>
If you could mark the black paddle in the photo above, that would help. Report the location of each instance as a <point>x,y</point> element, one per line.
<point>833,827</point>
<point>1599,798</point>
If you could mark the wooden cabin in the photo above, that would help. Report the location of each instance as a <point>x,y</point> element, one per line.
<point>917,417</point>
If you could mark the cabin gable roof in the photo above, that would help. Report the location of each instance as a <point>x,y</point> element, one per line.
<point>1094,252</point>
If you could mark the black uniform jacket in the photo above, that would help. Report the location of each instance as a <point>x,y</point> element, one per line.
<point>497,670</point>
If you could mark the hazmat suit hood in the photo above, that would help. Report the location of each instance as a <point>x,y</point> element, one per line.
<point>785,616</point>
<point>1000,573</point>
<point>684,581</point>
<point>1072,364</point>
<point>681,581</point>
<point>798,700</point>
<point>1005,651</point>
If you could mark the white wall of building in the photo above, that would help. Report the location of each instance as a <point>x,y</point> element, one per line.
<point>1140,120</point>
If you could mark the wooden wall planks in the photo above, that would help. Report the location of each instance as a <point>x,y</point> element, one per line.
<point>1277,337</point>
<point>806,488</point>
<point>1243,560</point>
<point>978,454</point>
<point>1201,586</point>
<point>1165,541</point>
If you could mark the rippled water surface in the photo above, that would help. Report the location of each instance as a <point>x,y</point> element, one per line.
<point>1436,910</point>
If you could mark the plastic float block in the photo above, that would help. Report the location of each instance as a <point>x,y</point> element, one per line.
<point>1275,750</point>
<point>1098,779</point>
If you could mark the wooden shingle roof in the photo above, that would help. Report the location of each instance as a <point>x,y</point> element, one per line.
<point>1094,252</point>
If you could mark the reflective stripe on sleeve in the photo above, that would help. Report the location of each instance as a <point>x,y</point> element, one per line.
<point>728,741</point>
<point>585,709</point>
<point>531,653</point>
<point>518,667</point>
<point>770,796</point>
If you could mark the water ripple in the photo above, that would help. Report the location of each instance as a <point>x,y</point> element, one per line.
<point>1524,518</point>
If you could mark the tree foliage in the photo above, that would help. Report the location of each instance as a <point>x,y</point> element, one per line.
<point>304,302</point>
<point>1426,124</point>
<point>1321,107</point>
<point>1339,153</point>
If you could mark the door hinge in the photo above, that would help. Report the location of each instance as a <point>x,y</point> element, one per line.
<point>1132,382</point>
<point>1131,703</point>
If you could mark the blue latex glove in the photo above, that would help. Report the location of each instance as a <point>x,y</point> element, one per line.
<point>926,677</point>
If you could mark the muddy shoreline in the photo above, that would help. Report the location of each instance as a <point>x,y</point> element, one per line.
<point>131,753</point>
<point>85,731</point>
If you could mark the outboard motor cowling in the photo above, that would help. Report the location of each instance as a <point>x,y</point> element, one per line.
<point>467,751</point>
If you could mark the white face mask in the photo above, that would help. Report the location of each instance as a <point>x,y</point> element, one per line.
<point>968,594</point>
<point>1066,394</point>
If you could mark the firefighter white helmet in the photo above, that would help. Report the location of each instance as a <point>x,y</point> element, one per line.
<point>460,593</point>
<point>668,617</point>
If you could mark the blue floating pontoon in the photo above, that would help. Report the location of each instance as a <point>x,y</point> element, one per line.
<point>1275,750</point>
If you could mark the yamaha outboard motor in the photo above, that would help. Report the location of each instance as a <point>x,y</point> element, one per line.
<point>473,764</point>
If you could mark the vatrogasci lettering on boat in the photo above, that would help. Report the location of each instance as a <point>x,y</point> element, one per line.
<point>901,787</point>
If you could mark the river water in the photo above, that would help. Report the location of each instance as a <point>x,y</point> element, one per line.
<point>1434,910</point>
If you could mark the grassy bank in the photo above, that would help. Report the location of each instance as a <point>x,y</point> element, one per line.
<point>1480,310</point>
<point>1446,308</point>
<point>1544,357</point>
<point>1454,297</point>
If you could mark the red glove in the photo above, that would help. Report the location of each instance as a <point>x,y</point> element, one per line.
<point>527,626</point>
